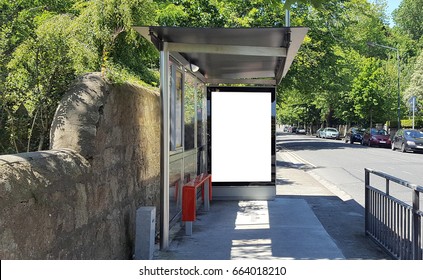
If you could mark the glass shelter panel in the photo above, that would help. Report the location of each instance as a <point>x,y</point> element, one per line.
<point>189,111</point>
<point>201,128</point>
<point>190,165</point>
<point>188,124</point>
<point>175,186</point>
<point>201,115</point>
<point>176,107</point>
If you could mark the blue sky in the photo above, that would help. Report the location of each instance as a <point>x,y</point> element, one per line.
<point>392,5</point>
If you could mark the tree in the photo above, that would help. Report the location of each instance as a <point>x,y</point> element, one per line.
<point>189,13</point>
<point>39,72</point>
<point>315,72</point>
<point>221,13</point>
<point>409,17</point>
<point>314,3</point>
<point>370,101</point>
<point>122,53</point>
<point>22,55</point>
<point>45,44</point>
<point>415,87</point>
<point>331,58</point>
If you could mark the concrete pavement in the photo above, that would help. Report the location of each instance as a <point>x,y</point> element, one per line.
<point>306,221</point>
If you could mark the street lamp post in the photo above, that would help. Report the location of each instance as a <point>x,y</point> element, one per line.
<point>398,78</point>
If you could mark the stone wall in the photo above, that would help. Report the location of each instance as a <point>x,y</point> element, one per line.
<point>79,199</point>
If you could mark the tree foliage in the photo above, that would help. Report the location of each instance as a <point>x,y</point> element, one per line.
<point>45,44</point>
<point>409,17</point>
<point>350,81</point>
<point>39,72</point>
<point>335,78</point>
<point>366,91</point>
<point>415,87</point>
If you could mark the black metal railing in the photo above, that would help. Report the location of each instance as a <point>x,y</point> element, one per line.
<point>392,223</point>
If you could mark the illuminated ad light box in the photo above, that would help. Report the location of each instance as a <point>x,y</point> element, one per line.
<point>242,140</point>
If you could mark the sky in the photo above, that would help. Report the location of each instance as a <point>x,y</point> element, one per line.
<point>392,5</point>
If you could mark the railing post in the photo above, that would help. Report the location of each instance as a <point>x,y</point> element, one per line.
<point>416,226</point>
<point>394,224</point>
<point>366,199</point>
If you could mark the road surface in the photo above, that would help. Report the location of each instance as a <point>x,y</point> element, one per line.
<point>341,166</point>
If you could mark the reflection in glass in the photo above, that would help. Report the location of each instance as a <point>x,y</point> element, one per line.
<point>190,168</point>
<point>175,187</point>
<point>188,121</point>
<point>176,83</point>
<point>201,128</point>
<point>189,112</point>
<point>201,118</point>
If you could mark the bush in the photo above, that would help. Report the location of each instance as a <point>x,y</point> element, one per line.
<point>407,123</point>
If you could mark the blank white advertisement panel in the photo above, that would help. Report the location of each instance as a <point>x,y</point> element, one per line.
<point>241,136</point>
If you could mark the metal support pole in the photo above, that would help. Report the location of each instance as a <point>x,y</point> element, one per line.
<point>366,199</point>
<point>287,18</point>
<point>414,106</point>
<point>188,228</point>
<point>398,80</point>
<point>164,147</point>
<point>416,227</point>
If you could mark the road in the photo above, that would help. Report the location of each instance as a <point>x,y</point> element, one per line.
<point>341,165</point>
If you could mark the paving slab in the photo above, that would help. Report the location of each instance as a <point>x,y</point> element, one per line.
<point>284,228</point>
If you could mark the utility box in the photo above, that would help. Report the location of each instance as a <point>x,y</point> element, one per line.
<point>145,233</point>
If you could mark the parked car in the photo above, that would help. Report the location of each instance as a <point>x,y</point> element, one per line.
<point>301,131</point>
<point>376,137</point>
<point>330,132</point>
<point>292,129</point>
<point>354,134</point>
<point>408,140</point>
<point>318,133</point>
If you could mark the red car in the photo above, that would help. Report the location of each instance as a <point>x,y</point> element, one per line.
<point>376,137</point>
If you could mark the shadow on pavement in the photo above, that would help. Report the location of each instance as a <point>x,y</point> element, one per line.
<point>344,222</point>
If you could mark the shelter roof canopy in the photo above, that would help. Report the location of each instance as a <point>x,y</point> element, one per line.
<point>231,55</point>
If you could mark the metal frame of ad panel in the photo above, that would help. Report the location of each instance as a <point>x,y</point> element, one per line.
<point>243,157</point>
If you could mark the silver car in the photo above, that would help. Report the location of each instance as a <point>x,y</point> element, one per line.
<point>330,132</point>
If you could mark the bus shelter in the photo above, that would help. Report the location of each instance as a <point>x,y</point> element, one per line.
<point>218,109</point>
